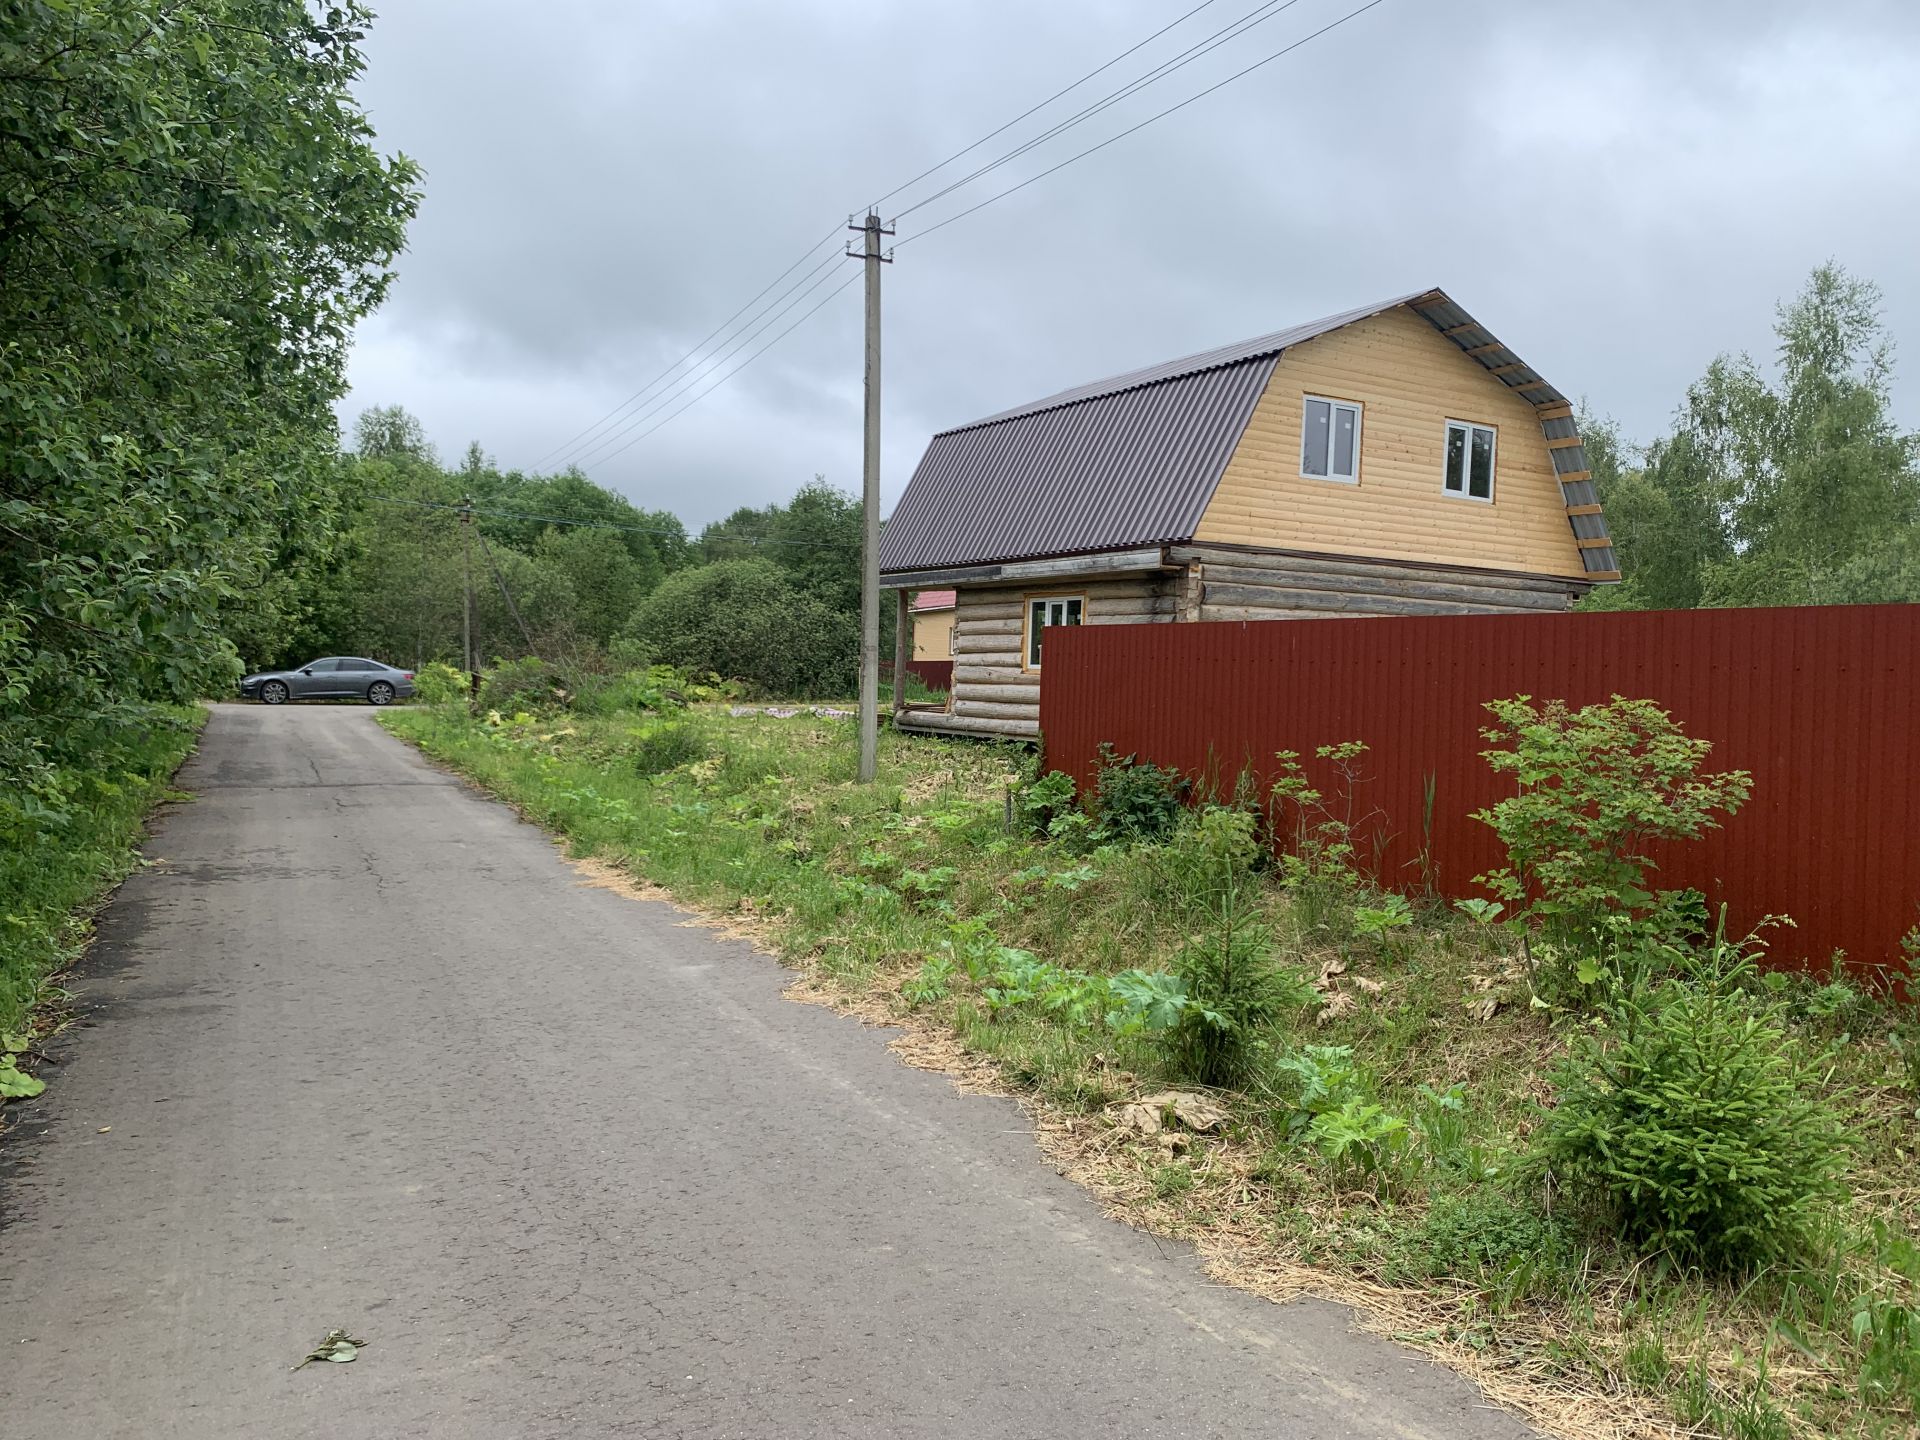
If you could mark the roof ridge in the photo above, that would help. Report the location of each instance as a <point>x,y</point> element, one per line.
<point>1197,363</point>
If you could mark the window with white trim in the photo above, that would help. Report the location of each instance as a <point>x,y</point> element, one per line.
<point>1469,460</point>
<point>1045,610</point>
<point>1329,439</point>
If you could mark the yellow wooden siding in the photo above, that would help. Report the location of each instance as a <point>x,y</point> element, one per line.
<point>1409,380</point>
<point>933,635</point>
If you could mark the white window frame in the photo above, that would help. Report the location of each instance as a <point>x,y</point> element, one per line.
<point>1359,422</point>
<point>1466,474</point>
<point>1029,632</point>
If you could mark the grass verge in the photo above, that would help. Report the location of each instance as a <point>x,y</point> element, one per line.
<point>58,860</point>
<point>1374,1150</point>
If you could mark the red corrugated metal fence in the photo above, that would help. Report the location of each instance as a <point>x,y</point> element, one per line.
<point>1821,704</point>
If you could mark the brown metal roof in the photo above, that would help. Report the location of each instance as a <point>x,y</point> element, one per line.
<point>1133,459</point>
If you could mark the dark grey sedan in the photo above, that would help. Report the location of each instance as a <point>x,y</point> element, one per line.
<point>338,677</point>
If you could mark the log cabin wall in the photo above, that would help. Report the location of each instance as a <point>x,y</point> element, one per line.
<point>1226,583</point>
<point>994,691</point>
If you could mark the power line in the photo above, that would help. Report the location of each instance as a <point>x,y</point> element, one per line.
<point>1041,106</point>
<point>1259,15</point>
<point>812,281</point>
<point>1238,74</point>
<point>579,448</point>
<point>566,445</point>
<point>738,368</point>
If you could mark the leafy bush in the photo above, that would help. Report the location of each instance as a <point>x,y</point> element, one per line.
<point>1597,786</point>
<point>1689,1116</point>
<point>438,683</point>
<point>1313,1080</point>
<point>532,685</point>
<point>1136,801</point>
<point>1360,1134</point>
<point>747,620</point>
<point>1050,805</point>
<point>657,687</point>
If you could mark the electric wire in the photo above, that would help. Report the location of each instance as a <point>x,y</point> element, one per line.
<point>931,169</point>
<point>1259,15</point>
<point>567,445</point>
<point>1132,129</point>
<point>812,281</point>
<point>838,289</point>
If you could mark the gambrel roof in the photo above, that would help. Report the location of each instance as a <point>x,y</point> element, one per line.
<point>1133,460</point>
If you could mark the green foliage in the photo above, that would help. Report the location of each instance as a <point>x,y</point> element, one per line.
<point>1136,801</point>
<point>667,746</point>
<point>1318,864</point>
<point>1485,1232</point>
<point>1311,1081</point>
<point>1359,1134</point>
<point>1236,991</point>
<point>14,1083</point>
<point>1596,786</point>
<point>1691,1116</point>
<point>932,983</point>
<point>1377,921</point>
<point>529,685</point>
<point>438,683</point>
<point>1795,491</point>
<point>747,620</point>
<point>1050,806</point>
<point>195,216</point>
<point>57,857</point>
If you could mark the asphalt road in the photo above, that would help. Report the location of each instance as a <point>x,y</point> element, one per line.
<point>363,1052</point>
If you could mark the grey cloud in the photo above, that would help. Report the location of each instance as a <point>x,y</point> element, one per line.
<point>1622,189</point>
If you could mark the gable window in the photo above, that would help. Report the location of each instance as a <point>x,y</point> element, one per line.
<point>1046,610</point>
<point>1330,439</point>
<point>1469,460</point>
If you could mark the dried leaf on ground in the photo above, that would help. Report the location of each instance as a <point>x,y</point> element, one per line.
<point>336,1346</point>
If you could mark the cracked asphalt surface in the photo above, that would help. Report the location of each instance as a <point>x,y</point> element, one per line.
<point>362,1051</point>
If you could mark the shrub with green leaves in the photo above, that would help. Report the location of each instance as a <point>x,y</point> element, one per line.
<point>748,620</point>
<point>438,683</point>
<point>531,685</point>
<point>1136,801</point>
<point>1595,788</point>
<point>1690,1117</point>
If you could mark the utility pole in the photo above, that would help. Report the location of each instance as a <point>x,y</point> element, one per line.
<point>870,506</point>
<point>466,618</point>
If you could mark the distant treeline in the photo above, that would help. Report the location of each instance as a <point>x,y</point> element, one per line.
<point>563,569</point>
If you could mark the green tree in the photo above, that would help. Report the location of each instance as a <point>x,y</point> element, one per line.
<point>1789,492</point>
<point>747,620</point>
<point>194,217</point>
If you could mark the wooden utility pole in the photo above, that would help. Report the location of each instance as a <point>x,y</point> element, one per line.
<point>870,506</point>
<point>466,617</point>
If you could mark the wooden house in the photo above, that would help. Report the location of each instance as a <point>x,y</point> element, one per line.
<point>1397,459</point>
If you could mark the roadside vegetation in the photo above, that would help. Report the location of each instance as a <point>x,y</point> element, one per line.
<point>1571,1137</point>
<point>62,849</point>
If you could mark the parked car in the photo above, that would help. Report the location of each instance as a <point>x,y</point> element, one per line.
<point>338,677</point>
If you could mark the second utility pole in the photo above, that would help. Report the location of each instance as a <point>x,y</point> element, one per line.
<point>870,510</point>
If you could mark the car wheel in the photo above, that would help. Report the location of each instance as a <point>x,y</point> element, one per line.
<point>274,692</point>
<point>380,693</point>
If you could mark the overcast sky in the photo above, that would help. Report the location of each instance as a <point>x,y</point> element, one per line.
<point>1621,188</point>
